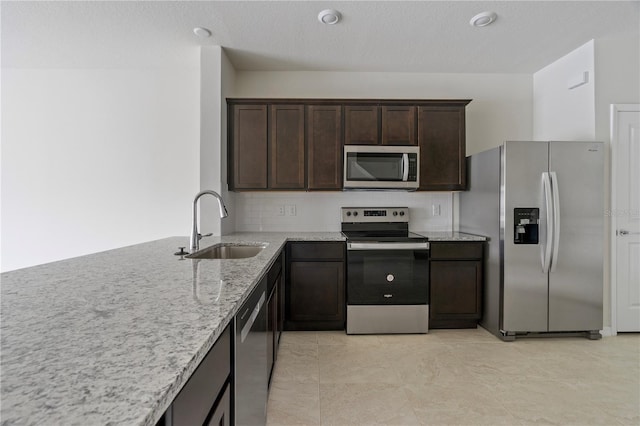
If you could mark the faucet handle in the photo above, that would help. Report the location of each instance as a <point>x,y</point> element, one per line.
<point>200,236</point>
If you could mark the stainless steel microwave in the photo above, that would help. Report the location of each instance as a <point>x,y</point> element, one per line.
<point>381,167</point>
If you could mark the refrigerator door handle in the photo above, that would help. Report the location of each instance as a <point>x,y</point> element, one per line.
<point>546,254</point>
<point>556,219</point>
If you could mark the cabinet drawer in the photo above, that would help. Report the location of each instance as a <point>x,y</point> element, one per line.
<point>455,250</point>
<point>193,403</point>
<point>317,250</point>
<point>386,294</point>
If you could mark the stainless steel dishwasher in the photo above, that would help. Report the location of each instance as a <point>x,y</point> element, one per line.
<point>251,370</point>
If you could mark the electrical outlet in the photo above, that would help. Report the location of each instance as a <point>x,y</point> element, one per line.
<point>291,210</point>
<point>435,209</point>
<point>281,210</point>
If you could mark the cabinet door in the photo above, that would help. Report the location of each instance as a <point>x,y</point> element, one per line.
<point>221,415</point>
<point>456,293</point>
<point>324,146</point>
<point>441,137</point>
<point>316,291</point>
<point>361,125</point>
<point>249,153</point>
<point>398,125</point>
<point>286,152</point>
<point>194,402</point>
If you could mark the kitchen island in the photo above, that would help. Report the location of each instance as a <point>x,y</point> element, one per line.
<point>112,337</point>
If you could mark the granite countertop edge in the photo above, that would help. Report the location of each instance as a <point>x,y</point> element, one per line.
<point>450,236</point>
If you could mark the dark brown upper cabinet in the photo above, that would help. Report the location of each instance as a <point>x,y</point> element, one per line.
<point>375,125</point>
<point>441,137</point>
<point>297,144</point>
<point>249,153</point>
<point>398,125</point>
<point>266,149</point>
<point>286,147</point>
<point>361,125</point>
<point>324,147</point>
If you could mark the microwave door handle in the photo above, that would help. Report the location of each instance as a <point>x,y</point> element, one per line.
<point>405,167</point>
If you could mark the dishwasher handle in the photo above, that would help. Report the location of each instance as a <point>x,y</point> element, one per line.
<point>252,319</point>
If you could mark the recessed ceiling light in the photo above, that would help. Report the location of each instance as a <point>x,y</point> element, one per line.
<point>483,19</point>
<point>329,16</point>
<point>202,32</point>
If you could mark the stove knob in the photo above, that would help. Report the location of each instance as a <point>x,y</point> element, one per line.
<point>401,213</point>
<point>348,213</point>
<point>355,213</point>
<point>395,213</point>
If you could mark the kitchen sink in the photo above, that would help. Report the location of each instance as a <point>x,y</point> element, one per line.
<point>228,251</point>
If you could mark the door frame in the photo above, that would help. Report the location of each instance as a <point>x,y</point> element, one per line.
<point>615,133</point>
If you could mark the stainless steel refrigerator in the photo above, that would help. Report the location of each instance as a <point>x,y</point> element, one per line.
<point>542,206</point>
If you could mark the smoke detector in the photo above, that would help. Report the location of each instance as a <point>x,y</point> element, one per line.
<point>202,32</point>
<point>483,19</point>
<point>329,16</point>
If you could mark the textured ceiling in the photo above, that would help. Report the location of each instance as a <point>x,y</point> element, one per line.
<point>398,36</point>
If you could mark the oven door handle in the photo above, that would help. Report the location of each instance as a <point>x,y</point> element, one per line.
<point>388,246</point>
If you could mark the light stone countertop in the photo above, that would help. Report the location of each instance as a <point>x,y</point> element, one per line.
<point>111,337</point>
<point>450,236</point>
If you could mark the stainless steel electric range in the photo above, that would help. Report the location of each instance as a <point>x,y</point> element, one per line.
<point>387,272</point>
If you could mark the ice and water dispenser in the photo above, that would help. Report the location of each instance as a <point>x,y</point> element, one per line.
<point>525,222</point>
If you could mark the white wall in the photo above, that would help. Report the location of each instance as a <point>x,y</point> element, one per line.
<point>501,107</point>
<point>227,81</point>
<point>320,211</point>
<point>217,77</point>
<point>561,113</point>
<point>617,65</point>
<point>94,159</point>
<point>500,110</point>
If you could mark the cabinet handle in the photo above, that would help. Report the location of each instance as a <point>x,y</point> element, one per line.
<point>245,314</point>
<point>388,296</point>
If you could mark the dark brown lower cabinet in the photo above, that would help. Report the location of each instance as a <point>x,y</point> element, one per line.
<point>315,286</point>
<point>274,312</point>
<point>272,331</point>
<point>207,393</point>
<point>221,415</point>
<point>456,281</point>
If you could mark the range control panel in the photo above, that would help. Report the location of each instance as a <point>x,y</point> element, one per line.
<point>375,214</point>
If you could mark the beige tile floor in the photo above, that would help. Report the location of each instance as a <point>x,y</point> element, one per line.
<point>454,377</point>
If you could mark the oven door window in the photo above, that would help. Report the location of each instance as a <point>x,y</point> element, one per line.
<point>388,277</point>
<point>374,166</point>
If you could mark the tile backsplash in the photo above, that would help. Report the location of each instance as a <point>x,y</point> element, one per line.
<point>320,211</point>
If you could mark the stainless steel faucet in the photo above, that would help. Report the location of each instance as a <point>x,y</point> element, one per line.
<point>195,235</point>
